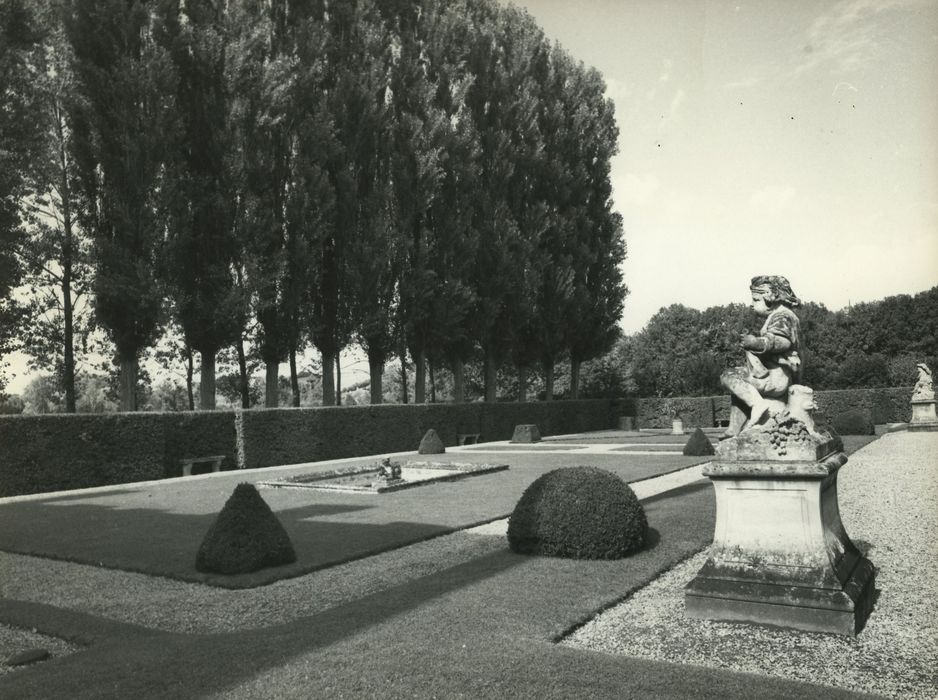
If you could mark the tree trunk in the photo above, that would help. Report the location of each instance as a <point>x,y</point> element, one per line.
<point>338,378</point>
<point>68,378</point>
<point>128,378</point>
<point>548,381</point>
<point>404,393</point>
<point>420,377</point>
<point>242,375</point>
<point>432,382</point>
<point>459,381</point>
<point>207,382</point>
<point>294,380</point>
<point>189,371</point>
<point>328,379</point>
<point>522,384</point>
<point>574,378</point>
<point>491,375</point>
<point>376,368</point>
<point>272,385</point>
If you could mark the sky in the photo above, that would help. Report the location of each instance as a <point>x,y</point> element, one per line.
<point>763,137</point>
<point>797,138</point>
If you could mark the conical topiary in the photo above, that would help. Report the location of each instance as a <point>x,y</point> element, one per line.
<point>698,445</point>
<point>246,536</point>
<point>431,444</point>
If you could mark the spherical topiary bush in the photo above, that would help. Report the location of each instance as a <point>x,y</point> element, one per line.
<point>578,513</point>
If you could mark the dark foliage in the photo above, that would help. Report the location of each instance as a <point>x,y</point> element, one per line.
<point>245,537</point>
<point>858,421</point>
<point>431,444</point>
<point>698,445</point>
<point>578,513</point>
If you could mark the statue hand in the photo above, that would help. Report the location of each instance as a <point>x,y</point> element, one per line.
<point>752,342</point>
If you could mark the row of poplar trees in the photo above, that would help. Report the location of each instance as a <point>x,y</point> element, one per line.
<point>413,176</point>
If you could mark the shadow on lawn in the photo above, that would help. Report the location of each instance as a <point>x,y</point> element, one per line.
<point>495,593</point>
<point>155,541</point>
<point>178,665</point>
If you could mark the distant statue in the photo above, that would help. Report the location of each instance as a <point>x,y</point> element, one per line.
<point>924,390</point>
<point>390,470</point>
<point>760,388</point>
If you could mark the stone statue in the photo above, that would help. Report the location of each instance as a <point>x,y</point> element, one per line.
<point>773,365</point>
<point>389,470</point>
<point>924,390</point>
<point>801,406</point>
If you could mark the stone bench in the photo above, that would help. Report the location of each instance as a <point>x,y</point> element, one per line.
<point>188,462</point>
<point>468,438</point>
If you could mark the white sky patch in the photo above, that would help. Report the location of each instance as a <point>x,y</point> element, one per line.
<point>632,189</point>
<point>772,199</point>
<point>676,103</point>
<point>618,91</point>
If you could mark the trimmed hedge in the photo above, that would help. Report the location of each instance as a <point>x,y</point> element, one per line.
<point>58,452</point>
<point>245,537</point>
<point>578,513</point>
<point>293,435</point>
<point>889,405</point>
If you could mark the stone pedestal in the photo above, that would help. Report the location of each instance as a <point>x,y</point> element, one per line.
<point>780,554</point>
<point>923,415</point>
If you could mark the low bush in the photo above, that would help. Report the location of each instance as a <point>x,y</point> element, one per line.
<point>431,444</point>
<point>246,536</point>
<point>698,445</point>
<point>578,513</point>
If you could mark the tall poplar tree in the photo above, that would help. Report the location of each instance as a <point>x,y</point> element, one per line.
<point>203,247</point>
<point>20,141</point>
<point>123,121</point>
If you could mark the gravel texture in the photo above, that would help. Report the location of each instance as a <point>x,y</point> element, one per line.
<point>888,495</point>
<point>15,641</point>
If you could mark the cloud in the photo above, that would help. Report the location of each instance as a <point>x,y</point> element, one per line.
<point>849,35</point>
<point>676,103</point>
<point>772,199</point>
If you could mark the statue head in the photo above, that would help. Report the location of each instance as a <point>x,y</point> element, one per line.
<point>768,291</point>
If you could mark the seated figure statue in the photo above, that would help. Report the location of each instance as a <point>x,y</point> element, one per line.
<point>924,389</point>
<point>760,388</point>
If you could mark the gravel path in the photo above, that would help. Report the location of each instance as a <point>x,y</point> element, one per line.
<point>889,505</point>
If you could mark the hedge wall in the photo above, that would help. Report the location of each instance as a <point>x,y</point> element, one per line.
<point>58,452</point>
<point>293,435</point>
<point>892,405</point>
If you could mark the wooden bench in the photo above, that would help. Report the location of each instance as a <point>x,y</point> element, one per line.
<point>468,438</point>
<point>188,462</point>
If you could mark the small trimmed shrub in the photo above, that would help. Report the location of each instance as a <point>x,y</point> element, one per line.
<point>526,433</point>
<point>578,513</point>
<point>858,421</point>
<point>431,444</point>
<point>699,445</point>
<point>246,536</point>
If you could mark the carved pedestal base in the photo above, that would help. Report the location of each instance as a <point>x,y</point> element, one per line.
<point>923,415</point>
<point>780,553</point>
